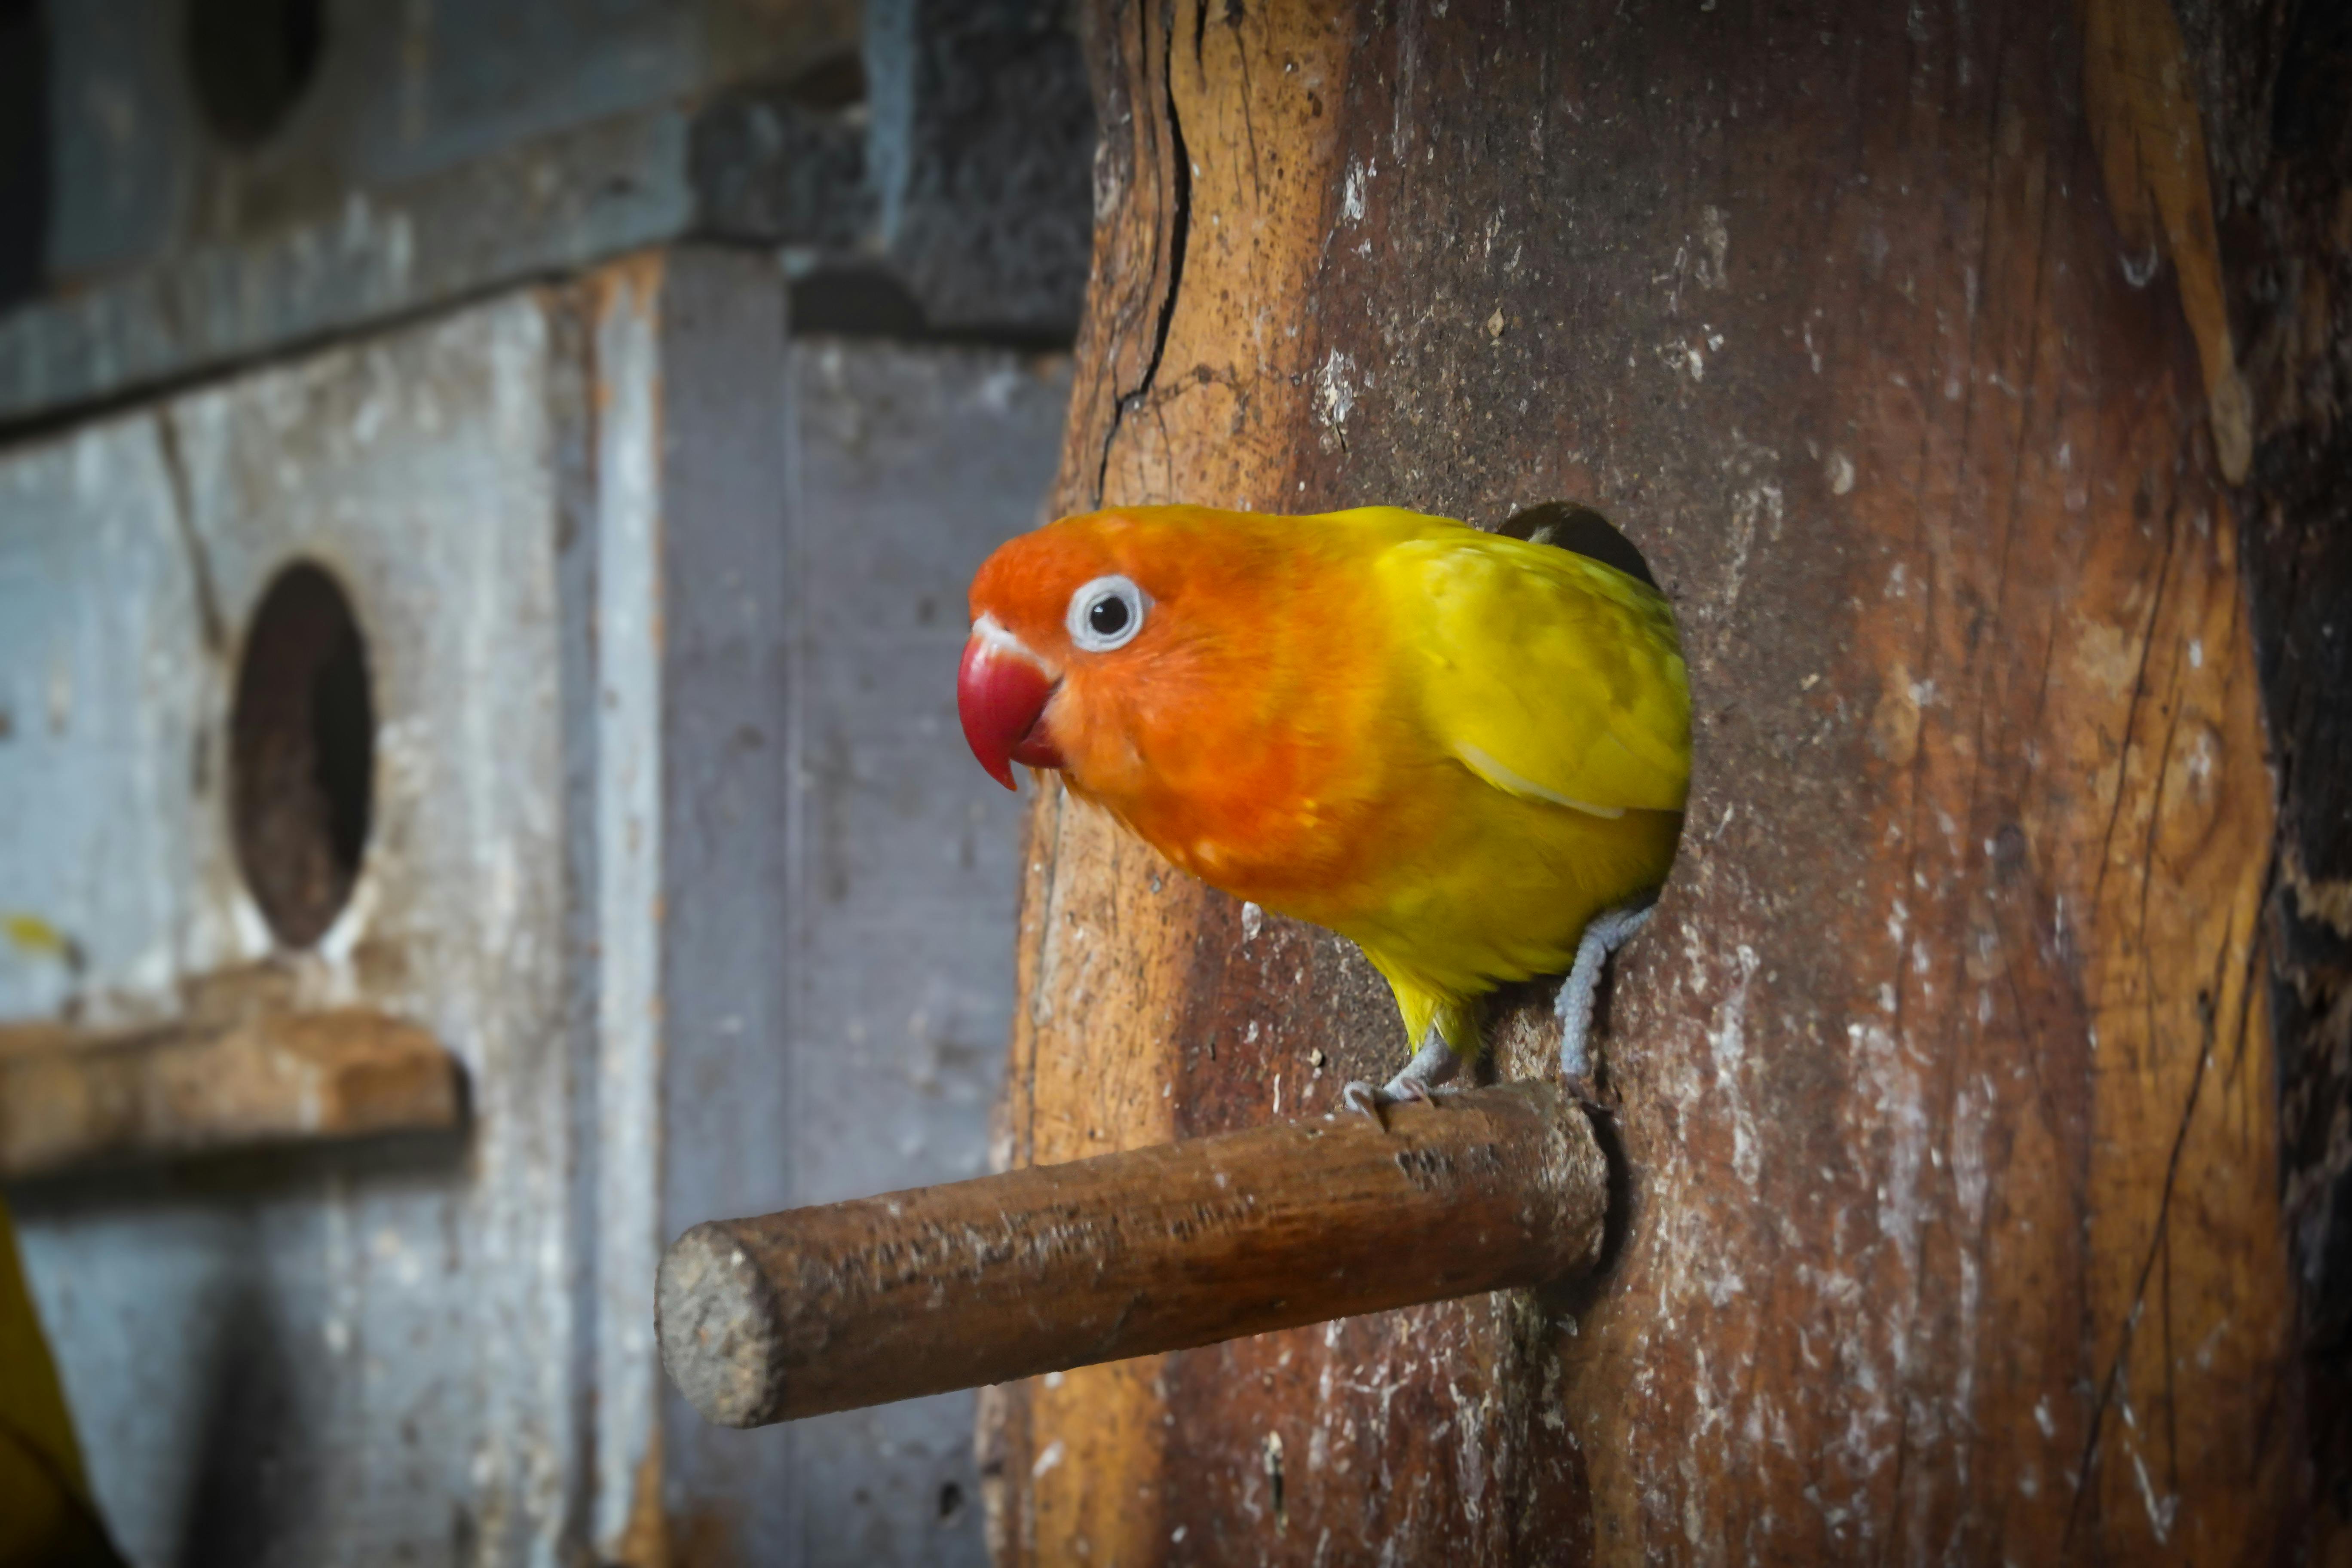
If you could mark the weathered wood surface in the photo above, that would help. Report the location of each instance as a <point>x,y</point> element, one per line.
<point>1946,1077</point>
<point>2276,81</point>
<point>1053,1267</point>
<point>69,1097</point>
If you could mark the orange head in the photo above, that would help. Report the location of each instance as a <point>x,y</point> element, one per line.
<point>1074,628</point>
<point>1198,672</point>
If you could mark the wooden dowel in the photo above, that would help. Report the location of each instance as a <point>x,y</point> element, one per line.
<point>70,1098</point>
<point>1041,1270</point>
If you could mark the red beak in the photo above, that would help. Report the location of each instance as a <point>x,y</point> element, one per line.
<point>1002,699</point>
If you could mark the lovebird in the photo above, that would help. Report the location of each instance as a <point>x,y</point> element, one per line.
<point>1465,753</point>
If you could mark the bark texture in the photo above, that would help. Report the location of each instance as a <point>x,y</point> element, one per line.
<point>1906,345</point>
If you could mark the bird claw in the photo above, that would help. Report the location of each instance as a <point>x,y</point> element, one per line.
<point>1421,1082</point>
<point>1585,1093</point>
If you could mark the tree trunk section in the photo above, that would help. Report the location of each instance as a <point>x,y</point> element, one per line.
<point>1899,339</point>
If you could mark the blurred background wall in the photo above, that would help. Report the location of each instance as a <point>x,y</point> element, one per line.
<point>486,495</point>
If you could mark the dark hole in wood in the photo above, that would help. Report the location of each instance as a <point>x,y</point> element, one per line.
<point>1573,526</point>
<point>950,1502</point>
<point>250,62</point>
<point>302,753</point>
<point>831,85</point>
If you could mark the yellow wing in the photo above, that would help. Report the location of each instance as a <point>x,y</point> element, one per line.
<point>1546,673</point>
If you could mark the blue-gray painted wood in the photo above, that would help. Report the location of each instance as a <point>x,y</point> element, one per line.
<point>444,149</point>
<point>915,463</point>
<point>638,580</point>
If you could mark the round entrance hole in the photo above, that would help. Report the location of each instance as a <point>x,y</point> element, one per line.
<point>1573,526</point>
<point>301,754</point>
<point>250,62</point>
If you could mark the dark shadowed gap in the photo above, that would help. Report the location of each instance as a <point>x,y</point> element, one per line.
<point>1572,526</point>
<point>250,61</point>
<point>24,150</point>
<point>302,753</point>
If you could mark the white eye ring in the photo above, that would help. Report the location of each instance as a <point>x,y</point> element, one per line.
<point>1106,614</point>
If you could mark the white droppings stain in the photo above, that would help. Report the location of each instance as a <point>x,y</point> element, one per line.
<point>1715,234</point>
<point>2043,1419</point>
<point>1335,396</point>
<point>1047,1460</point>
<point>2161,1510</point>
<point>1729,1041</point>
<point>2204,758</point>
<point>1352,194</point>
<point>1252,919</point>
<point>1761,501</point>
<point>2196,653</point>
<point>1840,469</point>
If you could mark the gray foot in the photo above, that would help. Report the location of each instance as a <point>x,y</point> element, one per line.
<point>1608,931</point>
<point>1430,1067</point>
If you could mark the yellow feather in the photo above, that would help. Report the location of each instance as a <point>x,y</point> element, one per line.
<point>1548,674</point>
<point>1556,684</point>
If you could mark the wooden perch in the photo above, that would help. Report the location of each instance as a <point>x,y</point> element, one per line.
<point>1054,1267</point>
<point>71,1098</point>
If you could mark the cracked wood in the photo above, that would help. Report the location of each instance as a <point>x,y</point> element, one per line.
<point>1945,1066</point>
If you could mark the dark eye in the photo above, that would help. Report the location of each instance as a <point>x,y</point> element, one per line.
<point>1107,614</point>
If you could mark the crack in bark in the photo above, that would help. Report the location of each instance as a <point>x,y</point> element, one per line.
<point>209,619</point>
<point>2157,1242</point>
<point>1180,223</point>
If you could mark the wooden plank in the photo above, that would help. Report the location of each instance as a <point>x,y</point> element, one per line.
<point>69,1097</point>
<point>1056,1267</point>
<point>1948,1096</point>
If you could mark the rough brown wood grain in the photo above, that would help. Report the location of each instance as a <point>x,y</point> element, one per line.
<point>2275,80</point>
<point>1946,1069</point>
<point>1050,1268</point>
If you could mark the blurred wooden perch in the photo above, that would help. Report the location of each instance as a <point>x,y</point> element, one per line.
<point>1054,1267</point>
<point>71,1096</point>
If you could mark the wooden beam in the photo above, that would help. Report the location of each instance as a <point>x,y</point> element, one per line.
<point>1154,1249</point>
<point>70,1097</point>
